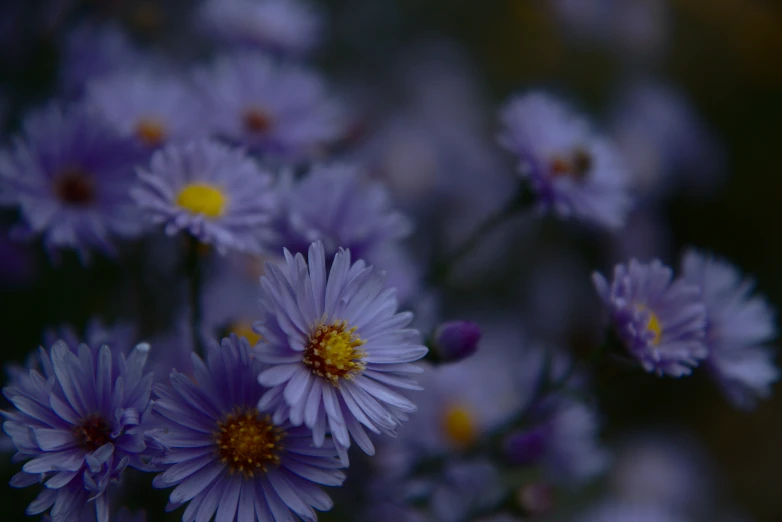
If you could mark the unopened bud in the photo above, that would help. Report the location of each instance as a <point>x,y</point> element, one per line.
<point>456,340</point>
<point>526,448</point>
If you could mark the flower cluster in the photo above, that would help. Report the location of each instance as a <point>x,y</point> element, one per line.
<point>285,257</point>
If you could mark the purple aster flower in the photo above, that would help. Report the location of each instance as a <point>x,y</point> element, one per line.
<point>70,175</point>
<point>337,346</point>
<point>148,106</point>
<point>739,326</point>
<point>225,455</point>
<point>272,107</point>
<point>287,27</point>
<point>571,170</point>
<point>563,439</point>
<point>80,427</point>
<point>661,321</point>
<point>214,192</point>
<point>336,205</point>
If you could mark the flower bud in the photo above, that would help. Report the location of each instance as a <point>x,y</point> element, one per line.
<point>525,448</point>
<point>456,340</point>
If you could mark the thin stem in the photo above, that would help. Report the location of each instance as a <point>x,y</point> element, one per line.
<point>194,276</point>
<point>520,202</point>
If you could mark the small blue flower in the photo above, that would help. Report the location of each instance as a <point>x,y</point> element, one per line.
<point>229,459</point>
<point>214,192</point>
<point>79,426</point>
<point>336,205</point>
<point>661,321</point>
<point>337,347</point>
<point>739,326</point>
<point>69,174</point>
<point>571,170</point>
<point>286,27</point>
<point>271,107</point>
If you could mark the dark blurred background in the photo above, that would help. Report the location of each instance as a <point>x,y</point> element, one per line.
<point>725,56</point>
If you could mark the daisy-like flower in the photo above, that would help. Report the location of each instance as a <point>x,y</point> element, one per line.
<point>147,106</point>
<point>335,205</point>
<point>739,327</point>
<point>79,427</point>
<point>69,174</point>
<point>338,348</point>
<point>287,27</point>
<point>229,459</point>
<point>661,321</point>
<point>214,192</point>
<point>563,440</point>
<point>272,107</point>
<point>572,171</point>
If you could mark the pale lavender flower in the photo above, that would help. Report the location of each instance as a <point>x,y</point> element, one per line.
<point>151,107</point>
<point>336,205</point>
<point>69,174</point>
<point>571,170</point>
<point>229,460</point>
<point>563,440</point>
<point>660,320</point>
<point>739,327</point>
<point>215,192</point>
<point>338,349</point>
<point>275,108</point>
<point>79,428</point>
<point>287,27</point>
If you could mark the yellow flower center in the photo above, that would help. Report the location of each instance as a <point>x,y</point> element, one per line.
<point>459,426</point>
<point>332,352</point>
<point>151,132</point>
<point>201,198</point>
<point>247,442</point>
<point>655,327</point>
<point>245,329</point>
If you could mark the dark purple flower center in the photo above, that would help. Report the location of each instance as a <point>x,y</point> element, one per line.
<point>75,187</point>
<point>248,442</point>
<point>576,166</point>
<point>93,432</point>
<point>257,121</point>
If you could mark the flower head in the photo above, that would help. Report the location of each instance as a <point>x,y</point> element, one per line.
<point>337,348</point>
<point>224,455</point>
<point>70,175</point>
<point>333,204</point>
<point>271,107</point>
<point>661,321</point>
<point>79,428</point>
<point>571,170</point>
<point>214,192</point>
<point>287,27</point>
<point>739,326</point>
<point>147,106</point>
